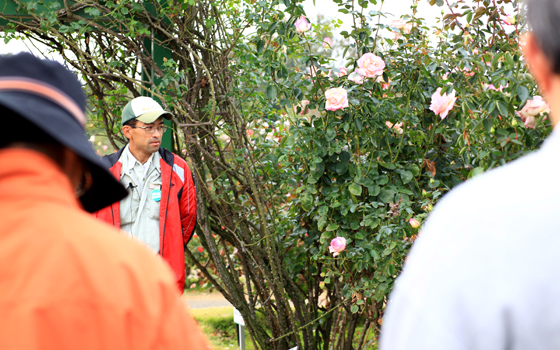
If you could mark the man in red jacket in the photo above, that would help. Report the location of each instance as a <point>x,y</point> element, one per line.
<point>161,207</point>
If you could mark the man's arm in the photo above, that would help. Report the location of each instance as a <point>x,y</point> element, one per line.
<point>188,205</point>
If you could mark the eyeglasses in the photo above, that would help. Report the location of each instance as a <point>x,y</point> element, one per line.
<point>151,129</point>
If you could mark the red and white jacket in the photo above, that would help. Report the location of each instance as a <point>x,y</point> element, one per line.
<point>177,215</point>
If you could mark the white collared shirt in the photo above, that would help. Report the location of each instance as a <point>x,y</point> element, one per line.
<point>140,211</point>
<point>485,271</point>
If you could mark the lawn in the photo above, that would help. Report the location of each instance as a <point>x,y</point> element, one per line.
<point>217,324</point>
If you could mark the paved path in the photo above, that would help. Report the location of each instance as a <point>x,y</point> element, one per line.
<point>205,303</point>
<point>204,300</point>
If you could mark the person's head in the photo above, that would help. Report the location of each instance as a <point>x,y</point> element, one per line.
<point>541,49</point>
<point>28,136</point>
<point>43,105</point>
<point>142,120</point>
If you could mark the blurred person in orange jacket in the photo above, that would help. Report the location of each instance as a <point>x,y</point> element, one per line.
<point>69,281</point>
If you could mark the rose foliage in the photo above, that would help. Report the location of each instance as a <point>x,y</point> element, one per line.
<point>313,177</point>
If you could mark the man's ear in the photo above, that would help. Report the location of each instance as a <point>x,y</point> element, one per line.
<point>538,63</point>
<point>127,131</point>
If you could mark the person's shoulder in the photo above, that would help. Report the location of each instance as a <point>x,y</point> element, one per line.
<point>501,187</point>
<point>113,158</point>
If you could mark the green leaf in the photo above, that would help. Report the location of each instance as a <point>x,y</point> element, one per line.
<point>332,227</point>
<point>260,46</point>
<point>356,190</point>
<point>522,92</point>
<point>323,210</point>
<point>306,201</point>
<point>502,107</point>
<point>387,195</point>
<point>330,134</point>
<point>341,168</point>
<point>488,124</point>
<point>344,156</point>
<point>358,123</point>
<point>354,308</point>
<point>406,176</point>
<point>321,223</point>
<point>476,171</point>
<point>374,254</point>
<point>271,92</point>
<point>374,190</point>
<point>382,180</point>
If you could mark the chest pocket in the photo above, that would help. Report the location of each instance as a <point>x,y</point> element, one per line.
<point>154,199</point>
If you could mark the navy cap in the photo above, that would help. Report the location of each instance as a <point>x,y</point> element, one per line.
<point>50,96</point>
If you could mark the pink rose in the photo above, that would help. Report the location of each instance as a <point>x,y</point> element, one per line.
<point>337,98</point>
<point>414,223</point>
<point>468,72</point>
<point>250,132</point>
<point>397,127</point>
<point>402,25</point>
<point>384,85</point>
<point>225,138</point>
<point>342,72</point>
<point>370,65</point>
<point>356,78</point>
<point>442,104</point>
<point>304,108</point>
<point>327,43</point>
<point>531,109</point>
<point>509,19</point>
<point>492,87</point>
<point>302,25</point>
<point>338,244</point>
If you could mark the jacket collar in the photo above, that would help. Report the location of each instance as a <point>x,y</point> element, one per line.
<point>28,174</point>
<point>167,157</point>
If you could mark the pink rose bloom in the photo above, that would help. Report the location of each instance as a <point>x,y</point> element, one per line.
<point>304,109</point>
<point>356,78</point>
<point>250,132</point>
<point>468,72</point>
<point>492,87</point>
<point>342,72</point>
<point>509,19</point>
<point>327,43</point>
<point>302,25</point>
<point>338,244</point>
<point>402,25</point>
<point>397,127</point>
<point>384,85</point>
<point>442,104</point>
<point>337,98</point>
<point>104,148</point>
<point>414,223</point>
<point>370,65</point>
<point>531,110</point>
<point>444,77</point>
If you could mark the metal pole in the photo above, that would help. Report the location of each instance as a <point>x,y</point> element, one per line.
<point>241,336</point>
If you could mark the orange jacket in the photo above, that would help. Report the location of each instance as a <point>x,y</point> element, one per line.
<point>68,281</point>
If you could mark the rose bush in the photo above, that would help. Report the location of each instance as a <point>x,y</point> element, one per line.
<point>295,164</point>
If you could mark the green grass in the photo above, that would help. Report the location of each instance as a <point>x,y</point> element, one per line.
<point>217,324</point>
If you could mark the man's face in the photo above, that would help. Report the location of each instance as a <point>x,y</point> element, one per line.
<point>140,139</point>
